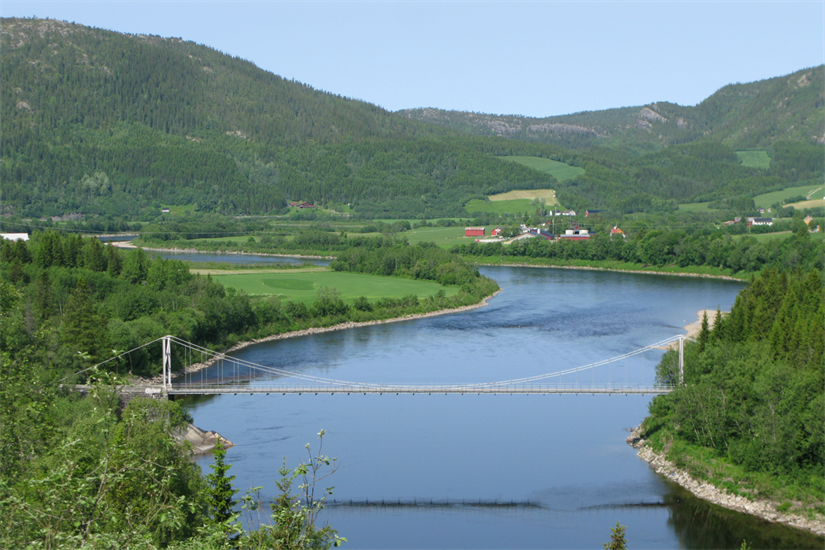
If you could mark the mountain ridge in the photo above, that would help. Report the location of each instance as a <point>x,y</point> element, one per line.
<point>724,115</point>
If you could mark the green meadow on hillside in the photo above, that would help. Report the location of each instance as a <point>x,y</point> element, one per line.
<point>518,206</point>
<point>558,170</point>
<point>303,286</point>
<point>768,199</point>
<point>695,207</point>
<point>755,159</point>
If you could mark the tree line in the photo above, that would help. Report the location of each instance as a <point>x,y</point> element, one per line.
<point>86,472</point>
<point>753,385</point>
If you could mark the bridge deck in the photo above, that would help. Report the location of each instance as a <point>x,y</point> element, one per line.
<point>428,390</point>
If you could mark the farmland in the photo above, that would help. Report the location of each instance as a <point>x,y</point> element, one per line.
<point>516,207</point>
<point>445,237</point>
<point>558,170</point>
<point>768,199</point>
<point>303,285</point>
<point>515,202</point>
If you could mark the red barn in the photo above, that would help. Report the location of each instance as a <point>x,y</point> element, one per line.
<point>474,232</point>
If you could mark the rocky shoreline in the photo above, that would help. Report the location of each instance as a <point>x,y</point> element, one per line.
<point>202,441</point>
<point>764,509</point>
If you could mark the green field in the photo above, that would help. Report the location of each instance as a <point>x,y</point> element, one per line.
<point>695,207</point>
<point>445,237</point>
<point>303,286</point>
<point>754,159</point>
<point>558,170</point>
<point>518,206</point>
<point>768,199</point>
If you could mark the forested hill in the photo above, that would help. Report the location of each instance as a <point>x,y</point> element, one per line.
<point>106,123</point>
<point>742,116</point>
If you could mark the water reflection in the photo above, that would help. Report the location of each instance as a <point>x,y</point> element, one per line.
<point>700,524</point>
<point>564,453</point>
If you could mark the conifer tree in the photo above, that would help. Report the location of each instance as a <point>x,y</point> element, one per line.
<point>81,325</point>
<point>220,486</point>
<point>617,540</point>
<point>704,332</point>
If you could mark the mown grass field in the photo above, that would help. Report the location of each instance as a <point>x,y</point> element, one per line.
<point>558,170</point>
<point>695,207</point>
<point>809,190</point>
<point>549,195</point>
<point>755,159</point>
<point>445,237</point>
<point>518,206</point>
<point>303,285</point>
<point>818,203</point>
<point>514,202</point>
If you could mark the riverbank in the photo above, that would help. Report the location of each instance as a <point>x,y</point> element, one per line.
<point>129,245</point>
<point>616,270</point>
<point>761,508</point>
<point>195,367</point>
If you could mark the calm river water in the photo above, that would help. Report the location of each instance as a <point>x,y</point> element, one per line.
<point>549,471</point>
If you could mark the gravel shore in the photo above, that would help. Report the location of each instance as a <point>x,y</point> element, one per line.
<point>764,509</point>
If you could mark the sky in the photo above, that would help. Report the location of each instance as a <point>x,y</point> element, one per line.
<point>535,58</point>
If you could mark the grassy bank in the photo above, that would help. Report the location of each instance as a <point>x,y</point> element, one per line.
<point>608,265</point>
<point>800,495</point>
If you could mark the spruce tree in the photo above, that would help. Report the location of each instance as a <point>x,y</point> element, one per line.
<point>81,326</point>
<point>220,486</point>
<point>617,540</point>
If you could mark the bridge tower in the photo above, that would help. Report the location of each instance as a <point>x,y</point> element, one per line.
<point>166,350</point>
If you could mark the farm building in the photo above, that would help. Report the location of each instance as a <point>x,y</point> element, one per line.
<point>14,236</point>
<point>575,234</point>
<point>760,221</point>
<point>495,232</point>
<point>474,231</point>
<point>541,233</point>
<point>588,213</point>
<point>617,231</point>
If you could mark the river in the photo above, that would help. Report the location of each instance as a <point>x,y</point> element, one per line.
<point>490,471</point>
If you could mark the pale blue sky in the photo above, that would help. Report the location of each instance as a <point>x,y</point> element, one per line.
<point>531,58</point>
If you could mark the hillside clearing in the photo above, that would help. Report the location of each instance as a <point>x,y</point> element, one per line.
<point>559,170</point>
<point>517,206</point>
<point>549,195</point>
<point>767,199</point>
<point>754,159</point>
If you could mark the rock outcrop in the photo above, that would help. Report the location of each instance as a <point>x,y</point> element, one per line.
<point>202,441</point>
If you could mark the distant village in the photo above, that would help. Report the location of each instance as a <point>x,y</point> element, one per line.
<point>577,232</point>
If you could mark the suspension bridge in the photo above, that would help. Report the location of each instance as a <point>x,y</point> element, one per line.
<point>206,372</point>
